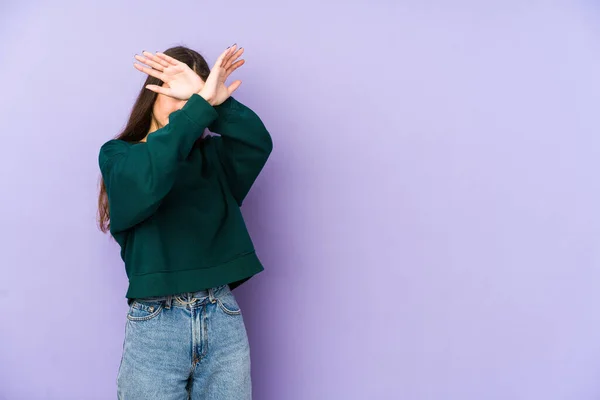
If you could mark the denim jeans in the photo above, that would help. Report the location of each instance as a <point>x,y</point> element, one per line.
<point>187,346</point>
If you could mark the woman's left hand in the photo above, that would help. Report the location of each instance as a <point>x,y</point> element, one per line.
<point>214,88</point>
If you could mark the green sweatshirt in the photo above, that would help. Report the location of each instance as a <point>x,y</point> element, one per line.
<point>175,200</point>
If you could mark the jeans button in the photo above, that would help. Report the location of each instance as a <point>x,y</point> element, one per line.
<point>151,309</point>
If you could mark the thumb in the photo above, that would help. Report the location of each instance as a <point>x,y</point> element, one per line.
<point>234,86</point>
<point>159,89</point>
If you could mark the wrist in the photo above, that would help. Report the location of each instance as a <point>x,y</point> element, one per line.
<point>205,96</point>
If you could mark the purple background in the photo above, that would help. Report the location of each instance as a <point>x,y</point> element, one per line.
<point>429,220</point>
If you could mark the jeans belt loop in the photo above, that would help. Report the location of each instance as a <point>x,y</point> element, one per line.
<point>168,302</point>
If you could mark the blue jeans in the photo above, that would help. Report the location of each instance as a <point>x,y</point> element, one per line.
<point>186,346</point>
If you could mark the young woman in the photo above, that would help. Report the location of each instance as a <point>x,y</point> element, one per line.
<point>171,197</point>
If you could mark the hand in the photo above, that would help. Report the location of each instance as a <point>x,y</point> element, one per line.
<point>182,81</point>
<point>214,90</point>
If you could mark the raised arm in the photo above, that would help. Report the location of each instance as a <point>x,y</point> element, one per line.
<point>244,145</point>
<point>138,176</point>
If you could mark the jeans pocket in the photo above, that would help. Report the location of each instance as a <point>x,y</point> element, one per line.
<point>228,304</point>
<point>144,310</point>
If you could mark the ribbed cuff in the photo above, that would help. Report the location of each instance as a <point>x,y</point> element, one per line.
<point>199,111</point>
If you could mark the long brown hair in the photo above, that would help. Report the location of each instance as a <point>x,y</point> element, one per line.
<point>140,118</point>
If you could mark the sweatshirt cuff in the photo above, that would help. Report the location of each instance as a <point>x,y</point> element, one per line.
<point>199,111</point>
<point>226,111</point>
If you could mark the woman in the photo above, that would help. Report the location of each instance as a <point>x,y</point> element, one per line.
<point>174,196</point>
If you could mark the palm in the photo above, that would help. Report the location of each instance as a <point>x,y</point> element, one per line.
<point>221,91</point>
<point>182,81</point>
<point>215,86</point>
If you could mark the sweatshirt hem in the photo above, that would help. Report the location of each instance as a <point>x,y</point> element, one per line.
<point>191,280</point>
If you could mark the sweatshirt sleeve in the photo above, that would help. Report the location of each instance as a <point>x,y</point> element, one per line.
<point>244,145</point>
<point>138,176</point>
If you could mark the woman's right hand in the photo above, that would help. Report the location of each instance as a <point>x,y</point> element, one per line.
<point>182,82</point>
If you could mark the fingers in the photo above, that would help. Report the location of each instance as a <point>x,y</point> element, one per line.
<point>224,57</point>
<point>233,67</point>
<point>159,63</point>
<point>156,58</point>
<point>159,89</point>
<point>150,71</point>
<point>168,59</point>
<point>234,55</point>
<point>149,60</point>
